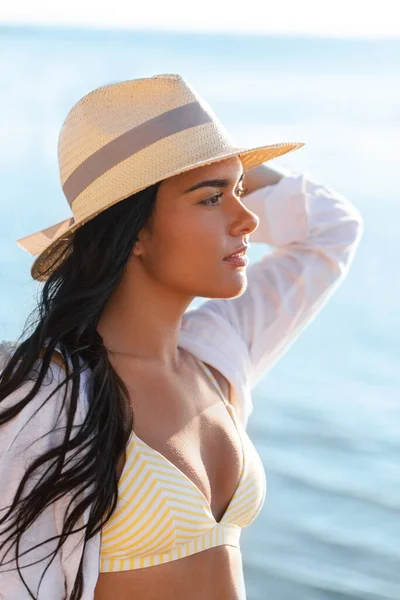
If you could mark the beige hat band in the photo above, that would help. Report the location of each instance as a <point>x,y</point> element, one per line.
<point>129,143</point>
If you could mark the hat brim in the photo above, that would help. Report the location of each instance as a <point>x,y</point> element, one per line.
<point>49,244</point>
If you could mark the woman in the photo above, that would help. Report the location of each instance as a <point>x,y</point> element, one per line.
<point>126,468</point>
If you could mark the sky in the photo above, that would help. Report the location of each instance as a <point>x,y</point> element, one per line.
<point>328,18</point>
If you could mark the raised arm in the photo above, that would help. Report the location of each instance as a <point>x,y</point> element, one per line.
<point>315,232</point>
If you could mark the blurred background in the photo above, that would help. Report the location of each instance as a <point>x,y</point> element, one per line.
<point>327,417</point>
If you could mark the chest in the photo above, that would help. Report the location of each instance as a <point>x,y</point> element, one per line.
<point>188,423</point>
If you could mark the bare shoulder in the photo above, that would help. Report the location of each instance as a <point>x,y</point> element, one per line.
<point>56,358</point>
<point>226,388</point>
<point>7,349</point>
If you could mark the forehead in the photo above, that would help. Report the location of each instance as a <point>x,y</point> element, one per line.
<point>230,168</point>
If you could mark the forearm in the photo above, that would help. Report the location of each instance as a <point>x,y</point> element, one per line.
<point>261,176</point>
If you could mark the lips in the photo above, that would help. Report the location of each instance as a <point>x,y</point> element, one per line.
<point>241,251</point>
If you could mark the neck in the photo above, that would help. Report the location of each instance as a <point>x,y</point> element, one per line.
<point>143,322</point>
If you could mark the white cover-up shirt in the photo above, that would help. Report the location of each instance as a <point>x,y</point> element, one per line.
<point>315,232</point>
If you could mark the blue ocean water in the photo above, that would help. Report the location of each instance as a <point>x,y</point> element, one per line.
<point>327,416</point>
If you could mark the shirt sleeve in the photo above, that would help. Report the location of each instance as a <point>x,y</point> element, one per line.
<point>314,232</point>
<point>37,428</point>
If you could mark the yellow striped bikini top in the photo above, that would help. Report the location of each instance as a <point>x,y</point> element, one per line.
<point>161,515</point>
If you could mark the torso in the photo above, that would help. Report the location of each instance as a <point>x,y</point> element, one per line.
<point>195,432</point>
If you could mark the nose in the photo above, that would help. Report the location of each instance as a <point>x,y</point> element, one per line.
<point>245,221</point>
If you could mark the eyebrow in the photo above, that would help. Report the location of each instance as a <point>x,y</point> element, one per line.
<point>211,183</point>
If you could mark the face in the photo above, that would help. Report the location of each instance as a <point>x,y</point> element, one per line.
<point>192,230</point>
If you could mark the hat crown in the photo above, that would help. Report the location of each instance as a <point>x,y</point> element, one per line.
<point>109,111</point>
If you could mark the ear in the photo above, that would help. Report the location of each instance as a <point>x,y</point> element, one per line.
<point>143,235</point>
<point>137,249</point>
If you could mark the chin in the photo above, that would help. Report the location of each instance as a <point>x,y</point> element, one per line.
<point>233,289</point>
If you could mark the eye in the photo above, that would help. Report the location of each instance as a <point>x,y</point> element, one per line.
<point>206,202</point>
<point>241,191</point>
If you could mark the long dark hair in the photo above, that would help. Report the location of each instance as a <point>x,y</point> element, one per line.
<point>67,314</point>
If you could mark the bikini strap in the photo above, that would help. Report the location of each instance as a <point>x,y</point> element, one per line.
<point>214,380</point>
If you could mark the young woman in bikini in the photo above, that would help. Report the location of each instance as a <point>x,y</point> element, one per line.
<point>126,469</point>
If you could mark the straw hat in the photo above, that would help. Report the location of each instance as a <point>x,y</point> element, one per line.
<point>125,136</point>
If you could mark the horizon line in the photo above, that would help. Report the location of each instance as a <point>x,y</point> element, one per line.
<point>87,27</point>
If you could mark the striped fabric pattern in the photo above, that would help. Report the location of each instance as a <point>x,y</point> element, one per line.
<point>162,515</point>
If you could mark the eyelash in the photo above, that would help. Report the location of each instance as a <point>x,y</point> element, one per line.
<point>241,192</point>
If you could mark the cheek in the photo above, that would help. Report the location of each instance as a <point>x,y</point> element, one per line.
<point>186,251</point>
<point>190,239</point>
<point>186,254</point>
